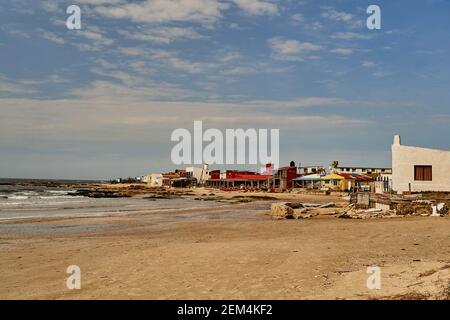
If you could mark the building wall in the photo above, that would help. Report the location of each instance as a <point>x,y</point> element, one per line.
<point>383,183</point>
<point>404,158</point>
<point>214,175</point>
<point>155,180</point>
<point>345,184</point>
<point>363,170</point>
<point>201,174</point>
<point>310,170</point>
<point>286,175</point>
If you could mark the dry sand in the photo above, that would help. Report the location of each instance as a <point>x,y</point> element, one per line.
<point>138,257</point>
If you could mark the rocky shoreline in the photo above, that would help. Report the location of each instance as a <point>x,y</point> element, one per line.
<point>128,192</point>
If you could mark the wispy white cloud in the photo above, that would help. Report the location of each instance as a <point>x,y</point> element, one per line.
<point>130,90</point>
<point>291,50</point>
<point>163,35</point>
<point>95,39</point>
<point>132,51</point>
<point>300,102</point>
<point>8,87</point>
<point>125,78</point>
<point>381,73</point>
<point>297,18</point>
<point>52,79</point>
<point>160,11</point>
<point>351,36</point>
<point>51,36</point>
<point>14,30</point>
<point>239,70</point>
<point>95,34</point>
<point>101,108</point>
<point>172,59</point>
<point>50,6</point>
<point>257,7</point>
<point>341,16</point>
<point>99,2</point>
<point>343,51</point>
<point>369,64</point>
<point>229,56</point>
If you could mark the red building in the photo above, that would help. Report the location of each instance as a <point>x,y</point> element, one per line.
<point>214,175</point>
<point>233,174</point>
<point>285,175</point>
<point>240,179</point>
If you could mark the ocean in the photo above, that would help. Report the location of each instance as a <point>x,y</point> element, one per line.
<point>36,201</point>
<point>28,201</point>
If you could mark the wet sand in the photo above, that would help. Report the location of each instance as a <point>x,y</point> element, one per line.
<point>224,251</point>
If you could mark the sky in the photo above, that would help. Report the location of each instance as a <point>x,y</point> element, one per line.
<point>102,102</point>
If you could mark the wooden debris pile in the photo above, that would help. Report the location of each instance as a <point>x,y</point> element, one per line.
<point>395,206</point>
<point>352,212</point>
<point>378,207</point>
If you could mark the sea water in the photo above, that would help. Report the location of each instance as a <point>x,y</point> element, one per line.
<point>17,201</point>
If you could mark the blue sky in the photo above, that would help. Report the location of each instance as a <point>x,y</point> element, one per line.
<point>102,101</point>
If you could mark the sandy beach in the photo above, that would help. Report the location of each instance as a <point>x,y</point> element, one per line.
<point>223,251</point>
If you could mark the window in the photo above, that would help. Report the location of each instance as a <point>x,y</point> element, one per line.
<point>423,173</point>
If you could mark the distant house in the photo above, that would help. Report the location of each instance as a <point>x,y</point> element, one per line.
<point>311,181</point>
<point>233,179</point>
<point>310,170</point>
<point>362,170</point>
<point>181,182</point>
<point>345,181</point>
<point>199,174</point>
<point>214,174</point>
<point>382,176</point>
<point>285,175</point>
<point>418,169</point>
<point>169,177</point>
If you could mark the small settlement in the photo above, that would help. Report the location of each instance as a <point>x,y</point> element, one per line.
<point>414,169</point>
<point>272,180</point>
<point>418,183</point>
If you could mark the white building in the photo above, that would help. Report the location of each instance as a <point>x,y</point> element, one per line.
<point>363,170</point>
<point>383,183</point>
<point>382,175</point>
<point>418,169</point>
<point>201,174</point>
<point>311,170</point>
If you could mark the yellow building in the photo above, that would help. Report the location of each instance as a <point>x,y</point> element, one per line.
<point>345,181</point>
<point>155,179</point>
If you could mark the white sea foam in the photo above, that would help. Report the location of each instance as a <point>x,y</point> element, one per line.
<point>18,197</point>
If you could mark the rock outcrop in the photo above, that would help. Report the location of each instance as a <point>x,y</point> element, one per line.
<point>297,210</point>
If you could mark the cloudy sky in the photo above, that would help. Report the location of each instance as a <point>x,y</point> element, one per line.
<point>101,102</point>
